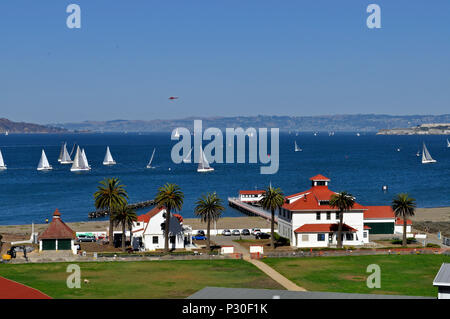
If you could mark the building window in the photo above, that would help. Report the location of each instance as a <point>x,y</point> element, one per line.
<point>155,239</point>
<point>320,237</point>
<point>138,224</point>
<point>348,236</point>
<point>365,234</point>
<point>305,238</point>
<point>328,215</point>
<point>337,215</point>
<point>317,216</point>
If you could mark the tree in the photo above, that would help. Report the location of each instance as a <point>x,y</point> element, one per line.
<point>209,208</point>
<point>124,216</point>
<point>272,199</point>
<point>109,196</point>
<point>404,207</point>
<point>171,198</point>
<point>343,202</point>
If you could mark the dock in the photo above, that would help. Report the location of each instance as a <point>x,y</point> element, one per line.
<point>104,213</point>
<point>250,209</point>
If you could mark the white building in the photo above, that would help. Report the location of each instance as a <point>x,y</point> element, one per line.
<point>398,228</point>
<point>308,220</point>
<point>251,196</point>
<point>58,236</point>
<point>442,281</point>
<point>149,230</point>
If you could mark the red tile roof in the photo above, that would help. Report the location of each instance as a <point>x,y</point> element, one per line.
<point>319,178</point>
<point>57,229</point>
<point>147,216</point>
<point>379,212</point>
<point>399,221</point>
<point>311,198</point>
<point>367,227</point>
<point>322,228</point>
<point>251,192</point>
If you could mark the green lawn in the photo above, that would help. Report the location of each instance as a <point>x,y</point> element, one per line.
<point>400,274</point>
<point>141,279</point>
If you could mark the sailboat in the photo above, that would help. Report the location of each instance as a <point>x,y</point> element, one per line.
<point>108,160</point>
<point>79,162</point>
<point>448,143</point>
<point>2,162</point>
<point>6,133</point>
<point>296,148</point>
<point>65,157</point>
<point>149,165</point>
<point>44,165</point>
<point>61,152</point>
<point>187,159</point>
<point>426,157</point>
<point>203,166</point>
<point>418,153</point>
<point>83,154</point>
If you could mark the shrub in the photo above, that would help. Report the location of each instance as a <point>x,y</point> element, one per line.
<point>409,241</point>
<point>281,241</point>
<point>431,245</point>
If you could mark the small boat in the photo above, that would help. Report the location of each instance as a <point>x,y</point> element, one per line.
<point>203,166</point>
<point>448,143</point>
<point>44,165</point>
<point>80,161</point>
<point>108,160</point>
<point>2,162</point>
<point>187,158</point>
<point>357,134</point>
<point>418,153</point>
<point>426,157</point>
<point>6,133</point>
<point>296,148</point>
<point>149,165</point>
<point>398,149</point>
<point>64,157</point>
<point>315,133</point>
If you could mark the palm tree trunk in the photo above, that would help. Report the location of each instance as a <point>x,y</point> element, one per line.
<point>405,243</point>
<point>111,229</point>
<point>208,234</point>
<point>124,236</point>
<point>167,229</point>
<point>272,229</point>
<point>339,234</point>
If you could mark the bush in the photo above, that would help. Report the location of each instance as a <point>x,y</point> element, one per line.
<point>431,245</point>
<point>281,241</point>
<point>409,241</point>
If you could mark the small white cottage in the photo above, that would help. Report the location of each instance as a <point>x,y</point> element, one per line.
<point>58,236</point>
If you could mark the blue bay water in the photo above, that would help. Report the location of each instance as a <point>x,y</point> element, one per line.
<point>359,165</point>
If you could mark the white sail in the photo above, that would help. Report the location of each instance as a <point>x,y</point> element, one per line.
<point>65,159</point>
<point>85,160</point>
<point>203,165</point>
<point>2,162</point>
<point>61,152</point>
<point>73,148</point>
<point>448,143</point>
<point>79,162</point>
<point>108,158</point>
<point>44,165</point>
<point>426,157</point>
<point>149,165</point>
<point>296,148</point>
<point>187,158</point>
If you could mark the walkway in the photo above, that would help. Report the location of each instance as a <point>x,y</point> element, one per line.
<point>13,290</point>
<point>269,271</point>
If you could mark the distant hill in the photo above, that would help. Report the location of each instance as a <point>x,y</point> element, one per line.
<point>343,123</point>
<point>21,127</point>
<point>423,129</point>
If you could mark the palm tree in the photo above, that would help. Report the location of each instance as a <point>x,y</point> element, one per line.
<point>344,202</point>
<point>404,207</point>
<point>209,208</point>
<point>272,199</point>
<point>124,216</point>
<point>171,197</point>
<point>110,195</point>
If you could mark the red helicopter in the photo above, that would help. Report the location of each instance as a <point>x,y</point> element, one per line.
<point>173,98</point>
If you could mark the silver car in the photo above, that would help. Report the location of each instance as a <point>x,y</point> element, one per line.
<point>226,232</point>
<point>236,232</point>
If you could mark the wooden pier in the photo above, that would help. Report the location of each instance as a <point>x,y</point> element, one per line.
<point>250,209</point>
<point>104,213</point>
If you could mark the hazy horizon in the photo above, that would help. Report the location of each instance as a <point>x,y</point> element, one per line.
<point>225,59</point>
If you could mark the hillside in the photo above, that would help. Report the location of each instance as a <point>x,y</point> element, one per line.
<point>22,127</point>
<point>343,123</point>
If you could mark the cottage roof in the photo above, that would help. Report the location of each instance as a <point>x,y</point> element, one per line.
<point>57,229</point>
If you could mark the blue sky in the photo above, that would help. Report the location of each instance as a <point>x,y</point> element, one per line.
<point>222,58</point>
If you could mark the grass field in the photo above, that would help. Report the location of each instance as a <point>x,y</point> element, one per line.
<point>142,279</point>
<point>400,274</point>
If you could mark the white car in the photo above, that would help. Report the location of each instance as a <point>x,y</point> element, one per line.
<point>255,231</point>
<point>226,232</point>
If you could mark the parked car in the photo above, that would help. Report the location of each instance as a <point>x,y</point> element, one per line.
<point>236,232</point>
<point>86,239</point>
<point>201,233</point>
<point>255,231</point>
<point>226,232</point>
<point>261,235</point>
<point>199,237</point>
<point>245,232</point>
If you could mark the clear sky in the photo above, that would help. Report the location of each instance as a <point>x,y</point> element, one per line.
<point>222,58</point>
